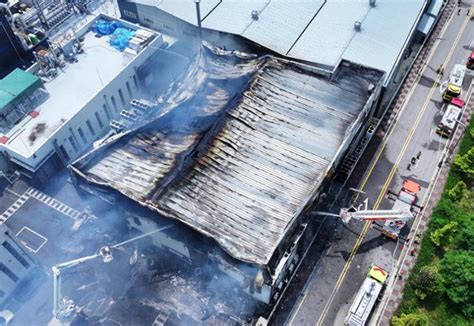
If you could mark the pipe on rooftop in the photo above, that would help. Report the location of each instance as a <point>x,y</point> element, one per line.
<point>198,16</point>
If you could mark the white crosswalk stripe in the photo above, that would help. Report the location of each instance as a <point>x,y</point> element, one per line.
<point>13,208</point>
<point>45,199</point>
<point>53,203</point>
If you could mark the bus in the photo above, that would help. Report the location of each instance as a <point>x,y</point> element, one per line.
<point>366,298</point>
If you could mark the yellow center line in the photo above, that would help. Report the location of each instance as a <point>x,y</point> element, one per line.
<point>389,178</point>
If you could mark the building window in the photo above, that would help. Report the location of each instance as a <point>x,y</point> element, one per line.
<point>64,153</point>
<point>15,254</point>
<point>114,104</point>
<point>82,135</point>
<point>8,272</point>
<point>99,121</point>
<point>106,110</point>
<point>135,82</point>
<point>121,97</point>
<point>129,90</point>
<point>91,129</point>
<point>73,144</point>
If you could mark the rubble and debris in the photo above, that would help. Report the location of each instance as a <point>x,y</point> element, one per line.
<point>243,177</point>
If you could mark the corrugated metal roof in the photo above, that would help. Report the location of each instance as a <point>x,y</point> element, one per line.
<point>321,32</point>
<point>279,24</point>
<point>327,38</point>
<point>385,32</point>
<point>270,157</point>
<point>248,178</point>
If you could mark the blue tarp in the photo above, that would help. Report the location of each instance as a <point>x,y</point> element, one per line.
<point>105,27</point>
<point>120,38</point>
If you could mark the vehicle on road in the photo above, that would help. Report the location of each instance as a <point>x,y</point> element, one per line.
<point>450,117</point>
<point>405,200</point>
<point>470,61</point>
<point>366,297</point>
<point>454,87</point>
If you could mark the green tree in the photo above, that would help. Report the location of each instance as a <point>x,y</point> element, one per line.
<point>457,272</point>
<point>463,239</point>
<point>458,191</point>
<point>465,163</point>
<point>415,319</point>
<point>427,282</point>
<point>467,201</point>
<point>444,212</point>
<point>443,236</point>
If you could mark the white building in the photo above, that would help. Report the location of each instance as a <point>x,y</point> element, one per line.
<point>15,264</point>
<point>83,98</point>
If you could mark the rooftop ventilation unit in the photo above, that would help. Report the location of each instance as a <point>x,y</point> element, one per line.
<point>140,105</point>
<point>129,115</point>
<point>372,3</point>
<point>117,126</point>
<point>255,14</point>
<point>357,26</point>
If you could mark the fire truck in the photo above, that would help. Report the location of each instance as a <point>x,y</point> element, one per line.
<point>470,61</point>
<point>450,117</point>
<point>366,297</point>
<point>454,87</point>
<point>396,218</point>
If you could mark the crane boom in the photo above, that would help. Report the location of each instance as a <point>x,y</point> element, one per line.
<point>348,214</point>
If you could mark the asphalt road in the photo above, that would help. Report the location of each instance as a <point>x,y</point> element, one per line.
<point>330,289</point>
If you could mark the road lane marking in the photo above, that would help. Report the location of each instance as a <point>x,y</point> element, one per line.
<point>390,176</point>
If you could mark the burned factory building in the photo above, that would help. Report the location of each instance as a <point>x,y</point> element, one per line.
<point>233,156</point>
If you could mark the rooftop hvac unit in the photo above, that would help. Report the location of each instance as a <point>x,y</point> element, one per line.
<point>372,3</point>
<point>255,14</point>
<point>357,26</point>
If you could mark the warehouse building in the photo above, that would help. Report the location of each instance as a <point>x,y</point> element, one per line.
<point>241,148</point>
<point>372,33</point>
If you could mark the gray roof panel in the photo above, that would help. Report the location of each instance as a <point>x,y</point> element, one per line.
<point>320,32</point>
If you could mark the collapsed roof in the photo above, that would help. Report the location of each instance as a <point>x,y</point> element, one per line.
<point>242,150</point>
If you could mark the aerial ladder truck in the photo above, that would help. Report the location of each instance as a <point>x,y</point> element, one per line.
<point>396,218</point>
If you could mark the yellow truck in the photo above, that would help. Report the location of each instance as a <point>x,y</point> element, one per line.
<point>454,87</point>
